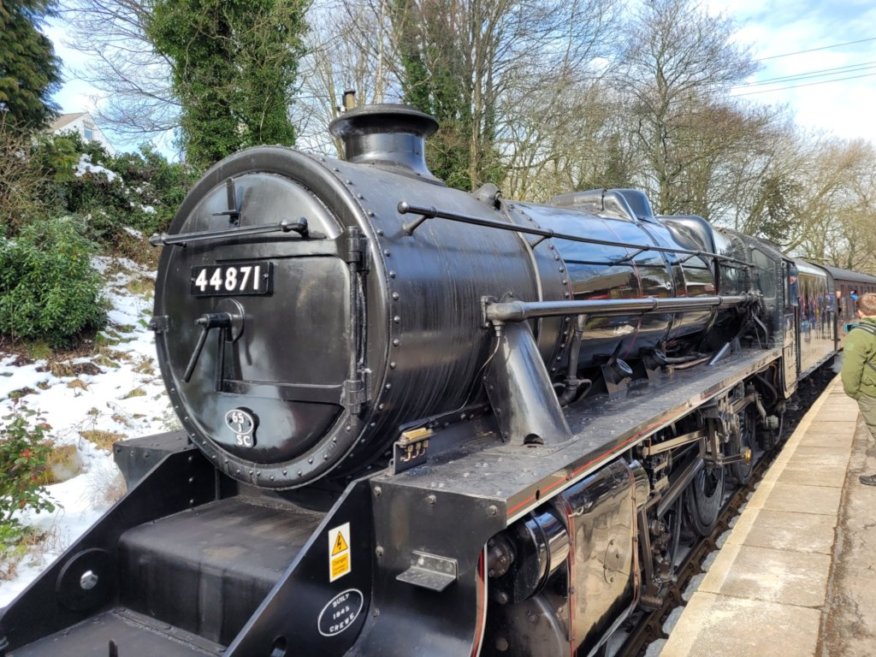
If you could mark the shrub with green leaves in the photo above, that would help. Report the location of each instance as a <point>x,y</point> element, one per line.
<point>24,452</point>
<point>48,288</point>
<point>157,187</point>
<point>112,193</point>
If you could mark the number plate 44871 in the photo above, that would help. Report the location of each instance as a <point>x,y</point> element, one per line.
<point>242,278</point>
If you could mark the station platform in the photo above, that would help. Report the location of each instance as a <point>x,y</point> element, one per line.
<point>796,576</point>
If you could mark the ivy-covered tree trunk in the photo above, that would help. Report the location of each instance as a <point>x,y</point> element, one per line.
<point>446,63</point>
<point>235,64</point>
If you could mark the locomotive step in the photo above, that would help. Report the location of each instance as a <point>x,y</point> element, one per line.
<point>207,569</point>
<point>131,634</point>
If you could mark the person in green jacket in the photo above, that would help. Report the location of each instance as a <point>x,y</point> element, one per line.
<point>859,366</point>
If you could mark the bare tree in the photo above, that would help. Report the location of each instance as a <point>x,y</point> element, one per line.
<point>20,179</point>
<point>135,80</point>
<point>477,65</point>
<point>545,97</point>
<point>678,61</point>
<point>471,62</point>
<point>861,217</point>
<point>564,137</point>
<point>718,145</point>
<point>834,184</point>
<point>348,48</point>
<point>762,191</point>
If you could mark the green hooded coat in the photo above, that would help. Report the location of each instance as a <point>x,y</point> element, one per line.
<point>859,361</point>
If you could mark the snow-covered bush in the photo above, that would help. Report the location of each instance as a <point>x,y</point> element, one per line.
<point>122,199</point>
<point>157,187</point>
<point>48,288</point>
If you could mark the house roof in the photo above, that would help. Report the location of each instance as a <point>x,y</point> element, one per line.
<point>65,119</point>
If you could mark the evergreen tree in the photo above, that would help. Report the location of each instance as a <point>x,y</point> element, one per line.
<point>29,70</point>
<point>235,63</point>
<point>440,77</point>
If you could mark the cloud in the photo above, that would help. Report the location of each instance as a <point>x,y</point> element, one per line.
<point>776,29</point>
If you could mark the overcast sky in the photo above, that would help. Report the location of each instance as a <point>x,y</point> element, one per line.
<point>817,57</point>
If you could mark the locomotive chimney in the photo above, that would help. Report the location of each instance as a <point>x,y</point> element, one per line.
<point>388,136</point>
<point>349,99</point>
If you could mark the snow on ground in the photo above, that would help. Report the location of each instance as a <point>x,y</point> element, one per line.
<point>126,398</point>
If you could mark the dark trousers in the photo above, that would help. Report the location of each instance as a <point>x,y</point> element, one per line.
<point>867,405</point>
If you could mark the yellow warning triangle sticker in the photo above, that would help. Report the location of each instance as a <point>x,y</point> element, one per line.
<point>340,545</point>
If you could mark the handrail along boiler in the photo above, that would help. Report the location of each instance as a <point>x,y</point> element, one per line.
<point>418,421</point>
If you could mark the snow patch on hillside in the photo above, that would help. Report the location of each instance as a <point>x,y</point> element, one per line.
<point>118,391</point>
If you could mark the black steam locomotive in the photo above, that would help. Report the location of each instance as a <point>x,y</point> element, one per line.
<point>419,421</point>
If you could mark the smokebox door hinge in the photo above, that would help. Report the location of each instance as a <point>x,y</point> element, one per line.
<point>356,251</point>
<point>355,394</point>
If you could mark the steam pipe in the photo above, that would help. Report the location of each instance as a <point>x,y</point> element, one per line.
<point>572,382</point>
<point>518,311</point>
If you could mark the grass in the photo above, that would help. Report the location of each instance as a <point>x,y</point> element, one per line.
<point>108,489</point>
<point>145,365</point>
<point>105,361</point>
<point>114,267</point>
<point>136,392</point>
<point>124,328</point>
<point>61,369</point>
<point>121,419</point>
<point>141,286</point>
<point>38,350</point>
<point>103,338</point>
<point>115,354</point>
<point>108,357</point>
<point>15,395</point>
<point>29,351</point>
<point>18,543</point>
<point>114,334</point>
<point>64,460</point>
<point>102,439</point>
